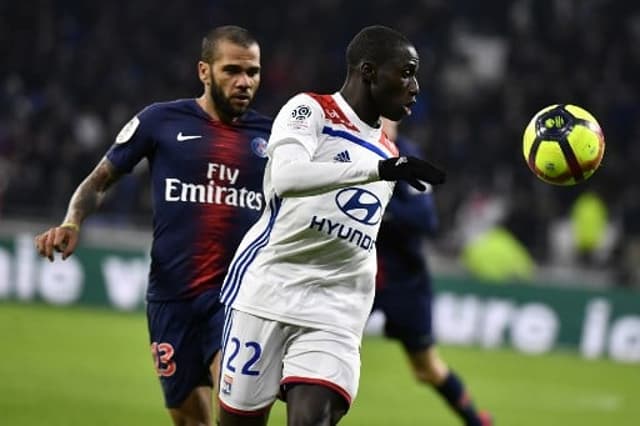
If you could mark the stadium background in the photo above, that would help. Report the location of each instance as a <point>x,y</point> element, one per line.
<point>73,72</point>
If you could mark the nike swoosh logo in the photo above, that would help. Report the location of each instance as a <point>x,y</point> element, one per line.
<point>182,137</point>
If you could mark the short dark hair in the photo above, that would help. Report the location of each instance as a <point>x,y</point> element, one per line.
<point>375,43</point>
<point>234,34</point>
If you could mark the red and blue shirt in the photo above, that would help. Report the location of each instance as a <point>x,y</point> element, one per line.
<point>206,180</point>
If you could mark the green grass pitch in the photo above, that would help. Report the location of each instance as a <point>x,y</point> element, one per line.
<point>78,366</point>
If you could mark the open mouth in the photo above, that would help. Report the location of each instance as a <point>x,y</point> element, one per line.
<point>407,107</point>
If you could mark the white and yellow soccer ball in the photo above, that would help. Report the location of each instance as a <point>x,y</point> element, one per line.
<point>563,144</point>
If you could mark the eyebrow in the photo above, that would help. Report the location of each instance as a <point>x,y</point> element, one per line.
<point>239,68</point>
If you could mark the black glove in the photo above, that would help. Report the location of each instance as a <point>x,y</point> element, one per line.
<point>410,169</point>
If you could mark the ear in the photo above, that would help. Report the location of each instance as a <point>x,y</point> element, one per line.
<point>368,72</point>
<point>203,72</point>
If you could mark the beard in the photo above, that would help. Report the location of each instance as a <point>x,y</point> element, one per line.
<point>222,105</point>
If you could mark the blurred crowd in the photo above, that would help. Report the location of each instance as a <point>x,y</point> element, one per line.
<point>74,72</point>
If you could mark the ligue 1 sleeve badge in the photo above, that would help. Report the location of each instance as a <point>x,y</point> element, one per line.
<point>299,118</point>
<point>301,112</point>
<point>259,147</point>
<point>128,130</point>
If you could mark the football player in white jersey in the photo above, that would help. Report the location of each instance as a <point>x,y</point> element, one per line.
<point>301,284</point>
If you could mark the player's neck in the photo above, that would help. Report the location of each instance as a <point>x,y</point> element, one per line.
<point>360,104</point>
<point>207,106</point>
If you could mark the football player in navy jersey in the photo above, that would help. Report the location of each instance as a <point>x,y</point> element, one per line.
<point>404,292</point>
<point>206,158</point>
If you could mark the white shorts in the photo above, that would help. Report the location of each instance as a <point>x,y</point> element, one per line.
<point>261,355</point>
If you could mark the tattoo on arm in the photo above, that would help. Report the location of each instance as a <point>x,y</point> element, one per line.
<point>91,192</point>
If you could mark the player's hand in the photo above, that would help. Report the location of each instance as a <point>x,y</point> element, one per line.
<point>63,239</point>
<point>412,170</point>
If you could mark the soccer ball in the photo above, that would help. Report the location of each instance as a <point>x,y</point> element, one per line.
<point>563,144</point>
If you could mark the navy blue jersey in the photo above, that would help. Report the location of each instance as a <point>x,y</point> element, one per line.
<point>206,179</point>
<point>409,217</point>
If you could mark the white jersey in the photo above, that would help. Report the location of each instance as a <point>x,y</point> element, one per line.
<point>310,259</point>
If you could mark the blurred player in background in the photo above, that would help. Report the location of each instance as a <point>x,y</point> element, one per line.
<point>302,281</point>
<point>206,158</point>
<point>404,290</point>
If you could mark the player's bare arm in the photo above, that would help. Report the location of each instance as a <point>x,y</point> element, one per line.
<point>91,192</point>
<point>85,200</point>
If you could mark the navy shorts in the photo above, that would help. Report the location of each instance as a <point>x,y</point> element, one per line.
<point>407,308</point>
<point>185,336</point>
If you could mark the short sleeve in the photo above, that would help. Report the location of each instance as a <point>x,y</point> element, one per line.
<point>300,119</point>
<point>134,141</point>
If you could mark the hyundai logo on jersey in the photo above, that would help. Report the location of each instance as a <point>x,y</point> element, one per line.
<point>360,205</point>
